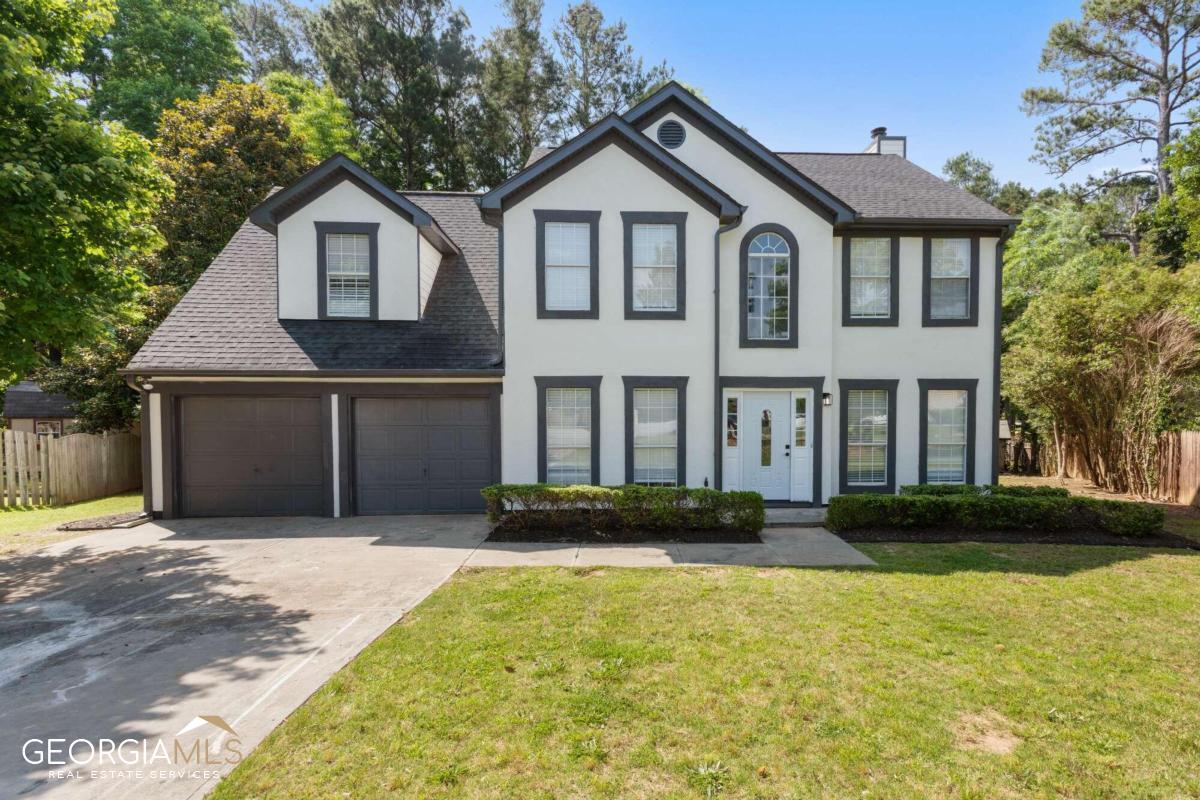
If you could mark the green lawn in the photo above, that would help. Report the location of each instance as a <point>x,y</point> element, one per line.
<point>23,529</point>
<point>964,671</point>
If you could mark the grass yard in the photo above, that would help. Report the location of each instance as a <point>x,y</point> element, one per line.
<point>964,671</point>
<point>23,529</point>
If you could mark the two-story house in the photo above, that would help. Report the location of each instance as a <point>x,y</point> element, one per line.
<point>660,300</point>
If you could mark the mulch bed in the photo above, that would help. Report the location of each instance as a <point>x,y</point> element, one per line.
<point>591,535</point>
<point>1020,537</point>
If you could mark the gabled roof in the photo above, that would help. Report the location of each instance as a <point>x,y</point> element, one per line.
<point>27,399</point>
<point>673,97</point>
<point>889,189</point>
<point>227,323</point>
<point>611,130</point>
<point>329,173</point>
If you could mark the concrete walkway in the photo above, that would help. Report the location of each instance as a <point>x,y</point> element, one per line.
<point>789,517</point>
<point>781,547</point>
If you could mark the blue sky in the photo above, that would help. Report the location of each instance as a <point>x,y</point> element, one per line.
<point>819,76</point>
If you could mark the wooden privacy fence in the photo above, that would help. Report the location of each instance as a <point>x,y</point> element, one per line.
<point>47,471</point>
<point>1178,465</point>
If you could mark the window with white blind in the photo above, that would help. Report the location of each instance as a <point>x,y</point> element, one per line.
<point>768,288</point>
<point>949,278</point>
<point>655,436</point>
<point>946,436</point>
<point>568,436</point>
<point>867,437</point>
<point>348,275</point>
<point>568,266</point>
<point>870,278</point>
<point>654,267</point>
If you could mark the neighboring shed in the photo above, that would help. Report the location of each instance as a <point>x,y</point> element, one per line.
<point>28,408</point>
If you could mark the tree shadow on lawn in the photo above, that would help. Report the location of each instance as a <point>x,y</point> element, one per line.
<point>120,643</point>
<point>1032,559</point>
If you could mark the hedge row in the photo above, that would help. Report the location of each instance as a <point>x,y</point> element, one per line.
<point>546,507</point>
<point>951,489</point>
<point>996,512</point>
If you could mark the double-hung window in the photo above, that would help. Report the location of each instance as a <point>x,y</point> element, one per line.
<point>655,264</point>
<point>568,430</point>
<point>567,269</point>
<point>655,410</point>
<point>871,293</point>
<point>347,270</point>
<point>868,447</point>
<point>947,431</point>
<point>951,275</point>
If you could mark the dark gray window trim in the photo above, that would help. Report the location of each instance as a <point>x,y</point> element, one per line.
<point>817,384</point>
<point>326,228</point>
<point>744,340</point>
<point>567,382</point>
<point>893,319</point>
<point>845,386</point>
<point>679,384</point>
<point>679,220</point>
<point>972,318</point>
<point>970,385</point>
<point>592,218</point>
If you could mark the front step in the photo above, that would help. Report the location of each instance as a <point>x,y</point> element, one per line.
<point>795,518</point>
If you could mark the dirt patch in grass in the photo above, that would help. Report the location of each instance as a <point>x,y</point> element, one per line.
<point>106,522</point>
<point>986,732</point>
<point>1019,537</point>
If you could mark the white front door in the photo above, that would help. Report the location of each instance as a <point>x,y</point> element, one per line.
<point>766,436</point>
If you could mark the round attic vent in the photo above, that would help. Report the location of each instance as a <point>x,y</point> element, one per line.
<point>671,134</point>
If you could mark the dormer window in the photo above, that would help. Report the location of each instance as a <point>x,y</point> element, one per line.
<point>348,270</point>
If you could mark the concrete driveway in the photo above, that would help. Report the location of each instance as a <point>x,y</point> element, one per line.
<point>191,632</point>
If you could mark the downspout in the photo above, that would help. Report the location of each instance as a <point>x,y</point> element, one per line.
<point>718,456</point>
<point>999,307</point>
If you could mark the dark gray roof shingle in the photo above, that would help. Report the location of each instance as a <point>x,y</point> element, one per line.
<point>891,187</point>
<point>880,187</point>
<point>26,399</point>
<point>228,320</point>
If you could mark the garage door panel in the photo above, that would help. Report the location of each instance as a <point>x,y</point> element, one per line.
<point>437,452</point>
<point>243,456</point>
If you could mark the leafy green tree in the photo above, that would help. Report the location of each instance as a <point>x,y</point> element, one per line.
<point>317,115</point>
<point>1106,361</point>
<point>157,52</point>
<point>1126,70</point>
<point>271,37</point>
<point>76,197</point>
<point>976,176</point>
<point>405,69</point>
<point>1046,244</point>
<point>224,152</point>
<point>601,72</point>
<point>972,174</point>
<point>521,89</point>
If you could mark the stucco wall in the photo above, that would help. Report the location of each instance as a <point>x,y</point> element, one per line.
<point>399,292</point>
<point>610,182</point>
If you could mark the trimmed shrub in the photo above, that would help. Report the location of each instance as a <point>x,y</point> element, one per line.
<point>950,489</point>
<point>614,508</point>
<point>996,512</point>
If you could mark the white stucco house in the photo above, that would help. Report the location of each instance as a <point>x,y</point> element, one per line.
<point>659,300</point>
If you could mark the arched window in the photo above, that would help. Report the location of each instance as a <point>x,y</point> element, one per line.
<point>769,275</point>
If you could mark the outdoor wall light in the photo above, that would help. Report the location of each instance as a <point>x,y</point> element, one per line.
<point>147,386</point>
<point>826,399</point>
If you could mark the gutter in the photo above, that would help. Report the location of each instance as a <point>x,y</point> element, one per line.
<point>312,374</point>
<point>999,306</point>
<point>719,417</point>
